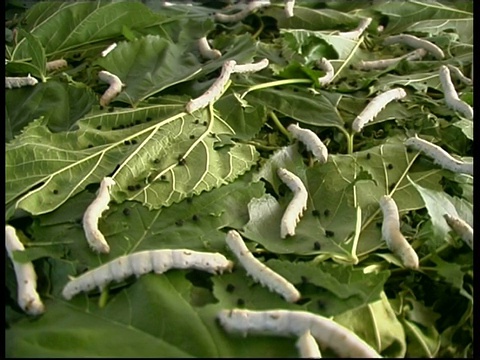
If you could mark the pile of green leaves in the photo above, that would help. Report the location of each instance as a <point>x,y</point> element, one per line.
<point>60,144</point>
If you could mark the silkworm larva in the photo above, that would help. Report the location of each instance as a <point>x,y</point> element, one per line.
<point>311,141</point>
<point>439,156</point>
<point>109,49</point>
<point>115,88</point>
<point>461,227</point>
<point>456,71</point>
<point>297,205</point>
<point>326,66</point>
<point>95,238</point>
<point>259,271</point>
<point>206,51</point>
<point>295,323</point>
<point>252,6</point>
<point>143,262</point>
<point>385,63</point>
<point>416,43</point>
<point>375,106</point>
<point>262,64</point>
<point>17,82</point>
<point>396,242</point>
<point>27,295</point>
<point>289,5</point>
<point>56,64</point>
<point>356,33</point>
<point>214,91</point>
<point>307,346</point>
<point>450,94</point>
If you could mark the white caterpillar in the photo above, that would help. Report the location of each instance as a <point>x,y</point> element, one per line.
<point>252,6</point>
<point>296,323</point>
<point>459,75</point>
<point>416,43</point>
<point>258,271</point>
<point>450,94</point>
<point>307,346</point>
<point>115,88</point>
<point>143,262</point>
<point>213,91</point>
<point>206,51</point>
<point>297,205</point>
<point>17,82</point>
<point>311,141</point>
<point>109,49</point>
<point>56,64</point>
<point>94,211</point>
<point>358,31</point>
<point>289,5</point>
<point>375,106</point>
<point>262,64</point>
<point>27,295</point>
<point>396,242</point>
<point>326,66</point>
<point>440,156</point>
<point>461,227</point>
<point>385,63</point>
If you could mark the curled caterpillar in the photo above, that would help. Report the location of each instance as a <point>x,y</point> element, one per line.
<point>56,64</point>
<point>440,156</point>
<point>95,238</point>
<point>213,91</point>
<point>258,271</point>
<point>17,82</point>
<point>206,51</point>
<point>115,88</point>
<point>456,71</point>
<point>416,43</point>
<point>450,94</point>
<point>307,346</point>
<point>375,106</point>
<point>326,66</point>
<point>385,63</point>
<point>311,141</point>
<point>461,227</point>
<point>289,5</point>
<point>109,49</point>
<point>27,295</point>
<point>262,64</point>
<point>396,242</point>
<point>296,323</point>
<point>297,205</point>
<point>143,262</point>
<point>251,7</point>
<point>358,31</point>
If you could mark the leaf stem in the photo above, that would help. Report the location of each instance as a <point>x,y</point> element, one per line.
<point>279,125</point>
<point>275,83</point>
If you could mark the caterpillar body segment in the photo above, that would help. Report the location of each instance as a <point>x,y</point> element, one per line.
<point>461,227</point>
<point>56,64</point>
<point>18,82</point>
<point>416,43</point>
<point>311,141</point>
<point>297,205</point>
<point>114,89</point>
<point>358,31</point>
<point>215,90</point>
<point>307,346</point>
<point>95,238</point>
<point>254,67</point>
<point>251,7</point>
<point>289,5</point>
<point>296,323</point>
<point>396,242</point>
<point>326,66</point>
<point>385,63</point>
<point>450,94</point>
<point>259,271</point>
<point>27,296</point>
<point>439,156</point>
<point>138,263</point>
<point>206,51</point>
<point>375,106</point>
